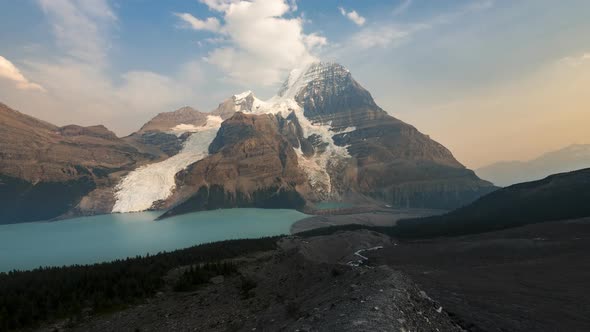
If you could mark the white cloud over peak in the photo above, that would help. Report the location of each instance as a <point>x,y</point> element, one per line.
<point>10,72</point>
<point>209,24</point>
<point>263,43</point>
<point>353,16</point>
<point>80,26</point>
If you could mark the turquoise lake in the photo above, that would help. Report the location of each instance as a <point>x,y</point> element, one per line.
<point>103,238</point>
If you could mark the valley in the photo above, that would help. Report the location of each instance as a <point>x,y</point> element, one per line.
<point>294,166</point>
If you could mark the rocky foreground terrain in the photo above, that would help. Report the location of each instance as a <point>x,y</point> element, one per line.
<point>316,284</point>
<point>529,278</point>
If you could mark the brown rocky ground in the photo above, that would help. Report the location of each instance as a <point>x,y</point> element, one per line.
<point>306,285</point>
<point>531,278</point>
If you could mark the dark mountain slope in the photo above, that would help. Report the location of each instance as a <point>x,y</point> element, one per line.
<point>557,197</point>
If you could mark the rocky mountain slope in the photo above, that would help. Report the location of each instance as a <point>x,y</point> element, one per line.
<point>507,173</point>
<point>48,171</point>
<point>344,144</point>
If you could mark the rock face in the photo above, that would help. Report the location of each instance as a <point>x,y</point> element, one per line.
<point>168,121</point>
<point>329,140</point>
<point>48,171</point>
<point>237,103</point>
<point>169,130</point>
<point>250,165</point>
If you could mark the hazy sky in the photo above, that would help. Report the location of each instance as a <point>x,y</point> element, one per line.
<point>491,80</point>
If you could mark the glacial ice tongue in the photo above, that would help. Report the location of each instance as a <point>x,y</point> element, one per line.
<point>141,188</point>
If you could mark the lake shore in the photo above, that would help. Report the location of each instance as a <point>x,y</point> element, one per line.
<point>362,216</point>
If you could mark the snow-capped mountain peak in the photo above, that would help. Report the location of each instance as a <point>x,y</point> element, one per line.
<point>300,77</point>
<point>242,96</point>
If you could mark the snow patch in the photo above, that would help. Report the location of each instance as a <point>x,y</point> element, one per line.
<point>242,95</point>
<point>141,188</point>
<point>183,127</point>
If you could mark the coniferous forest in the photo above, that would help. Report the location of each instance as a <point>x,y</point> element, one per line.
<point>28,298</point>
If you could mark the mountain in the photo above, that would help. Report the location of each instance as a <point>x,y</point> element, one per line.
<point>506,173</point>
<point>167,131</point>
<point>557,197</point>
<point>322,137</point>
<point>323,124</point>
<point>47,171</point>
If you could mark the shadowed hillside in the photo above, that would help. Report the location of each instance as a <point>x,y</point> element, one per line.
<point>557,197</point>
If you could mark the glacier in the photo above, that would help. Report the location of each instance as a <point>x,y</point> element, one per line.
<point>141,188</point>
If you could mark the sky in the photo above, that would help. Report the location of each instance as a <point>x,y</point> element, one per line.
<point>490,79</point>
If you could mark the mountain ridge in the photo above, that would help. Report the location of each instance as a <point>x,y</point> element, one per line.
<point>559,196</point>
<point>569,158</point>
<point>58,170</point>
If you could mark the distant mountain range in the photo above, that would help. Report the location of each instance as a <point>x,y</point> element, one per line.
<point>322,137</point>
<point>506,173</point>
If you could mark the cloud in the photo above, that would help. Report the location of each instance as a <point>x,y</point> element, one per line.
<point>218,5</point>
<point>11,72</point>
<point>263,42</point>
<point>80,26</point>
<point>210,24</point>
<point>576,61</point>
<point>314,40</point>
<point>353,16</point>
<point>78,79</point>
<point>387,34</point>
<point>402,7</point>
<point>382,36</point>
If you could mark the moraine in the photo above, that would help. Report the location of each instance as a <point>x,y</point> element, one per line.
<point>108,237</point>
